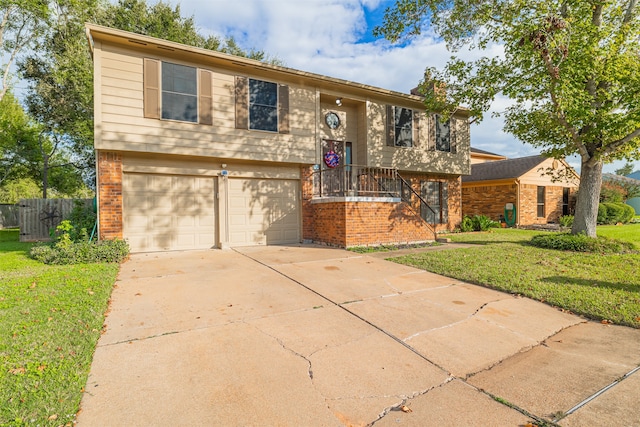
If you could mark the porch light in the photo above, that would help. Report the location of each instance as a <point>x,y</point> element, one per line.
<point>339,102</point>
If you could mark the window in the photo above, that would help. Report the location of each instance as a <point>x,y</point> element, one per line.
<point>403,135</point>
<point>541,195</point>
<point>263,105</point>
<point>179,92</point>
<point>443,134</point>
<point>565,200</point>
<point>402,127</point>
<point>435,194</point>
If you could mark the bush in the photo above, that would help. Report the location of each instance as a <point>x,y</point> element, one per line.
<point>613,213</point>
<point>566,221</point>
<point>477,223</point>
<point>581,243</point>
<point>81,252</point>
<point>483,223</point>
<point>466,225</point>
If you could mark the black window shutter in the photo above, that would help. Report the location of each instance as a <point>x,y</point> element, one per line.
<point>416,127</point>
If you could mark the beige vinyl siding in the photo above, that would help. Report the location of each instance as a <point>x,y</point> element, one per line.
<point>123,127</point>
<point>537,176</point>
<point>421,157</point>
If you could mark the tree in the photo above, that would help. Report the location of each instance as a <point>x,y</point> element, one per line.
<point>627,169</point>
<point>60,71</point>
<point>21,23</point>
<point>571,67</point>
<point>16,133</point>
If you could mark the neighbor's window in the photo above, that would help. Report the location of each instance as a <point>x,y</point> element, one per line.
<point>541,193</point>
<point>263,105</point>
<point>403,124</point>
<point>179,92</point>
<point>435,194</point>
<point>443,134</point>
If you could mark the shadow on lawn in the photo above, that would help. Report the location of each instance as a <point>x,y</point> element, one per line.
<point>592,283</point>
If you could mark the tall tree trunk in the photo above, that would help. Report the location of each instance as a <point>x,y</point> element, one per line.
<point>586,216</point>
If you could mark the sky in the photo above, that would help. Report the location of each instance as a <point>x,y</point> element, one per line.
<point>334,38</point>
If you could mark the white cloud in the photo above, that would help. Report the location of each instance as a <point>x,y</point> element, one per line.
<point>325,37</point>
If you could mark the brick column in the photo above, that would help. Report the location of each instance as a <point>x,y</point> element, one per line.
<point>109,183</point>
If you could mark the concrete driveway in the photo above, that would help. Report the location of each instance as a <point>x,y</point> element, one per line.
<point>313,336</point>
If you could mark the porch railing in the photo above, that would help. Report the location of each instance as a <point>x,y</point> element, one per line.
<point>356,181</point>
<point>366,181</point>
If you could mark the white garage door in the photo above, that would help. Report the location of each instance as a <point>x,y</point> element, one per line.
<point>167,212</point>
<point>263,211</point>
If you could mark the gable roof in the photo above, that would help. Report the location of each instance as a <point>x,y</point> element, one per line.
<point>479,151</point>
<point>503,169</point>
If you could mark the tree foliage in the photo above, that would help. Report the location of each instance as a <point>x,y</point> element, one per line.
<point>21,23</point>
<point>627,169</point>
<point>571,68</point>
<point>60,70</point>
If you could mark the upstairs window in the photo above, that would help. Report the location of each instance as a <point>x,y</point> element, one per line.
<point>402,127</point>
<point>443,134</point>
<point>263,105</point>
<point>179,92</point>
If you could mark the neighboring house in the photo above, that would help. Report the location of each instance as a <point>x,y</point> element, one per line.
<point>634,202</point>
<point>481,156</point>
<point>541,189</point>
<point>199,149</point>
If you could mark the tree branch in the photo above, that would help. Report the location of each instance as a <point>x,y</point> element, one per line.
<point>615,145</point>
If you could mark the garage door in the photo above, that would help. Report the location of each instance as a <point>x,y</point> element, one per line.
<point>263,211</point>
<point>167,212</point>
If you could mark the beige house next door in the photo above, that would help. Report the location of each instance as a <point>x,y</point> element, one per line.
<point>168,212</point>
<point>264,211</point>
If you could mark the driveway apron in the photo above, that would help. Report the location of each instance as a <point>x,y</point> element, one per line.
<point>314,336</point>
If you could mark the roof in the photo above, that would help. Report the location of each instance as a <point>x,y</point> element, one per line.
<point>620,178</point>
<point>503,169</point>
<point>479,151</point>
<point>237,63</point>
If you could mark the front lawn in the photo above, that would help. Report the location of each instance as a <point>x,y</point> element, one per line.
<point>50,318</point>
<point>601,287</point>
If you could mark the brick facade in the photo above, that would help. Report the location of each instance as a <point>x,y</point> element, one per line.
<point>346,223</point>
<point>109,183</point>
<point>488,200</point>
<point>491,200</point>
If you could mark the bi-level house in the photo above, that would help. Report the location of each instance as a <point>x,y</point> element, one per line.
<point>199,149</point>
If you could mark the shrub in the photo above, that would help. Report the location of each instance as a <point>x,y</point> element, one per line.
<point>566,221</point>
<point>82,219</point>
<point>466,225</point>
<point>81,252</point>
<point>613,213</point>
<point>581,243</point>
<point>483,223</point>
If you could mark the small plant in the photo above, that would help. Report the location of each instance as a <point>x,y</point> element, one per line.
<point>483,223</point>
<point>566,221</point>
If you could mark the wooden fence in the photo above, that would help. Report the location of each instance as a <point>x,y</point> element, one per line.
<point>8,215</point>
<point>38,216</point>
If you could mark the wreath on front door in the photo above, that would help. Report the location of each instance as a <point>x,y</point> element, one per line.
<point>331,159</point>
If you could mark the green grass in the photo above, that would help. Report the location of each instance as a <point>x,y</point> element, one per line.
<point>626,233</point>
<point>50,318</point>
<point>601,287</point>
